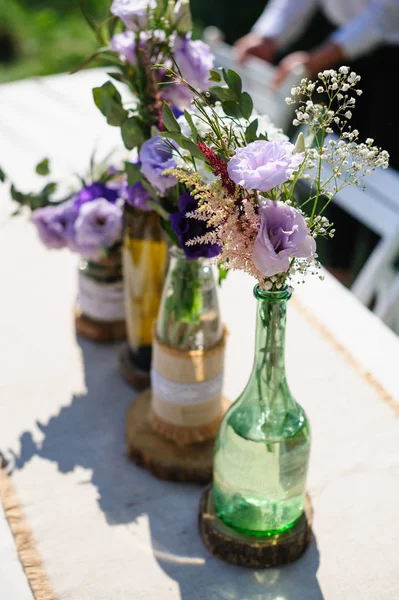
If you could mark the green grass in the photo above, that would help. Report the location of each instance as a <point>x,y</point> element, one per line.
<point>47,37</point>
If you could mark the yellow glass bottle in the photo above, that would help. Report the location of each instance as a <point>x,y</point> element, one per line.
<point>145,258</point>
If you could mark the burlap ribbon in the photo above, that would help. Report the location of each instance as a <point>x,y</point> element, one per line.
<point>186,402</point>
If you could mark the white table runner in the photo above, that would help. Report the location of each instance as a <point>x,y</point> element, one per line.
<point>108,530</point>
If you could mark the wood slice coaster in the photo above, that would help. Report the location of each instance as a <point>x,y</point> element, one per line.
<point>138,379</point>
<point>248,551</point>
<point>164,458</point>
<point>99,331</point>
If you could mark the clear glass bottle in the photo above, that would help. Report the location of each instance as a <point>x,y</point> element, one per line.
<point>263,444</point>
<point>144,266</point>
<point>100,311</point>
<point>189,316</point>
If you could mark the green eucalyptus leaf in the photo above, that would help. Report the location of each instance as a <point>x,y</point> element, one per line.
<point>234,82</point>
<point>158,209</point>
<point>232,109</point>
<point>133,173</point>
<point>43,167</point>
<point>17,196</point>
<point>3,176</point>
<point>109,101</point>
<point>173,135</point>
<point>221,93</point>
<point>192,148</point>
<point>132,133</point>
<point>215,76</point>
<point>49,189</point>
<point>112,23</point>
<point>117,76</point>
<point>250,132</point>
<point>166,226</point>
<point>246,105</point>
<point>190,122</point>
<point>169,119</point>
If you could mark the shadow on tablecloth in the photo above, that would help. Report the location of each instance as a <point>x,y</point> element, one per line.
<point>89,433</point>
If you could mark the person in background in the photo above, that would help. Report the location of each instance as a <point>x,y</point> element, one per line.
<point>363,34</point>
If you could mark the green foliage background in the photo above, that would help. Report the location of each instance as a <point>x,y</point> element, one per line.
<point>40,37</point>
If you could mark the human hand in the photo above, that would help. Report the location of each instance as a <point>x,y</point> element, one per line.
<point>290,63</point>
<point>253,44</point>
<point>324,57</point>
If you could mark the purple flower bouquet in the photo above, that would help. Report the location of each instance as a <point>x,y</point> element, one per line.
<point>89,221</point>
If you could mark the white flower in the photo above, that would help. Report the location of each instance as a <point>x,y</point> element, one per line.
<point>344,70</point>
<point>348,114</point>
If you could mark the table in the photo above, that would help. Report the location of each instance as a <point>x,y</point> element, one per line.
<point>107,529</point>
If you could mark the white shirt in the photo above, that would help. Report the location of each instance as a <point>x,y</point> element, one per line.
<point>362,25</point>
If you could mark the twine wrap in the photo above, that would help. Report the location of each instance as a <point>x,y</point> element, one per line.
<point>101,301</point>
<point>186,399</point>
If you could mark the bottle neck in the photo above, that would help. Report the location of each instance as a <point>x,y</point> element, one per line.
<point>268,377</point>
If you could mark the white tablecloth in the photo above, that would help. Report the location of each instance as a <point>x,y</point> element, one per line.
<point>108,530</point>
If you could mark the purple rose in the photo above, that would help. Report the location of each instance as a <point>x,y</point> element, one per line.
<point>134,13</point>
<point>99,225</point>
<point>155,157</point>
<point>93,191</point>
<point>55,224</point>
<point>282,235</point>
<point>187,228</point>
<point>262,165</point>
<point>136,195</point>
<point>195,59</point>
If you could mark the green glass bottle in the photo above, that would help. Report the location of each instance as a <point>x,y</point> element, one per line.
<point>263,444</point>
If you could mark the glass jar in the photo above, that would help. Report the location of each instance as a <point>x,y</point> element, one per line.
<point>144,266</point>
<point>263,444</point>
<point>189,316</point>
<point>100,311</point>
<point>188,361</point>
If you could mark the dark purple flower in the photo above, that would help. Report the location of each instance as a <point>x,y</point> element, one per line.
<point>283,234</point>
<point>155,158</point>
<point>93,191</point>
<point>136,195</point>
<point>187,228</point>
<point>55,224</point>
<point>176,111</point>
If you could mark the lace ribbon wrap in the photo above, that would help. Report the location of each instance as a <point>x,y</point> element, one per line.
<point>187,401</point>
<point>101,301</point>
